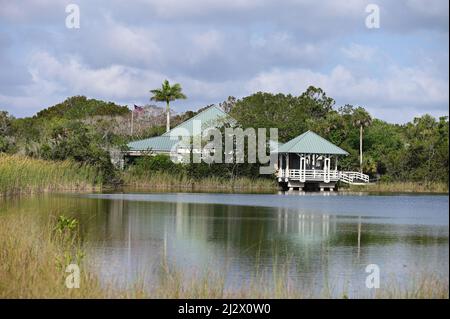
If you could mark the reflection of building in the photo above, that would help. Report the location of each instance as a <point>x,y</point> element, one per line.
<point>306,226</point>
<point>140,236</point>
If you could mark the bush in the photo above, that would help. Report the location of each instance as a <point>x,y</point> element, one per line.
<point>76,141</point>
<point>155,163</point>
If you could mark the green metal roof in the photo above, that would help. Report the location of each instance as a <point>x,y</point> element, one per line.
<point>308,142</point>
<point>158,143</point>
<point>213,116</point>
<point>311,143</point>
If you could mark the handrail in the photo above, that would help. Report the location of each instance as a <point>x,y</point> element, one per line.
<point>323,175</point>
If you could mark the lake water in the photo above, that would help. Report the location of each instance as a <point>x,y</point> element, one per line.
<point>317,239</point>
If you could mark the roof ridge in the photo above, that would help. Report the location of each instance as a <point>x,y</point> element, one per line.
<point>295,143</point>
<point>149,138</point>
<point>209,107</point>
<point>297,139</point>
<point>323,138</point>
<point>196,115</point>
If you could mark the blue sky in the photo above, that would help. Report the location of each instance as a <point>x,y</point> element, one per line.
<point>220,48</point>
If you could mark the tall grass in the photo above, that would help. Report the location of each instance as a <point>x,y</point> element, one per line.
<point>169,181</point>
<point>400,187</point>
<point>34,254</point>
<point>19,174</point>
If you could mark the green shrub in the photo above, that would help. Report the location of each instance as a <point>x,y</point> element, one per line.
<point>155,163</point>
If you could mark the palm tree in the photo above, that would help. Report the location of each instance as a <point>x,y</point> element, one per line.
<point>166,94</point>
<point>361,119</point>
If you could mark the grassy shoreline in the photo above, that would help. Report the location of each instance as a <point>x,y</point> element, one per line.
<point>24,175</point>
<point>166,181</point>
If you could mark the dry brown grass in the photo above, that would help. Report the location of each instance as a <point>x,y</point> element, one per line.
<point>167,181</point>
<point>20,174</point>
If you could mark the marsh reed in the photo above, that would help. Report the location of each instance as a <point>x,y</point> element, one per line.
<point>20,174</point>
<point>168,181</point>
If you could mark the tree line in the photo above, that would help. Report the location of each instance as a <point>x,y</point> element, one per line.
<point>86,130</point>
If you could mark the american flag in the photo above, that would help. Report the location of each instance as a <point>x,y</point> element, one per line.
<point>138,109</point>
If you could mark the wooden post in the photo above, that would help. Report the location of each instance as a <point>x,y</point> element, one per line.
<point>287,164</point>
<point>277,165</point>
<point>326,169</point>
<point>314,165</point>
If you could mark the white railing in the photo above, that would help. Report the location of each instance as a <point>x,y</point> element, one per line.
<point>323,176</point>
<point>354,177</point>
<point>309,175</point>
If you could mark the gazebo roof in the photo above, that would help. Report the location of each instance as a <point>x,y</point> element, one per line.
<point>311,143</point>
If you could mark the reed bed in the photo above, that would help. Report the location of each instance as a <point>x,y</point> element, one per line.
<point>399,187</point>
<point>19,174</point>
<point>34,254</point>
<point>168,181</point>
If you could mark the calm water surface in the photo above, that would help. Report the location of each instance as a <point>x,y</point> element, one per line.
<point>317,240</point>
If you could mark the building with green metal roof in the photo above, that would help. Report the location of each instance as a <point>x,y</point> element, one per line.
<point>311,159</point>
<point>306,159</point>
<point>158,144</point>
<point>213,116</point>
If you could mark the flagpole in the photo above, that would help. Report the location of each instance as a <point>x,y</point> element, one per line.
<point>132,120</point>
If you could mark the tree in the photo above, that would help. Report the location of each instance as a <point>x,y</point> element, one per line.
<point>316,102</point>
<point>5,131</point>
<point>361,118</point>
<point>229,104</point>
<point>80,107</point>
<point>73,140</point>
<point>167,93</point>
<point>5,123</point>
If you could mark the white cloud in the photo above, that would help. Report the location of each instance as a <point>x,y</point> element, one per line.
<point>414,90</point>
<point>220,48</point>
<point>115,81</point>
<point>176,8</point>
<point>359,52</point>
<point>132,43</point>
<point>431,8</point>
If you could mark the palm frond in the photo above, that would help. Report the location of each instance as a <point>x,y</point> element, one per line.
<point>167,92</point>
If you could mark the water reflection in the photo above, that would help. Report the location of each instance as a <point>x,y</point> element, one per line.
<point>236,240</point>
<point>321,239</point>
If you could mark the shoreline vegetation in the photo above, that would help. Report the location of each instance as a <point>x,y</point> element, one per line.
<point>89,135</point>
<point>49,245</point>
<point>24,175</point>
<point>167,182</point>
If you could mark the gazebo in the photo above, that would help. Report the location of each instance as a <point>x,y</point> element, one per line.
<point>309,159</point>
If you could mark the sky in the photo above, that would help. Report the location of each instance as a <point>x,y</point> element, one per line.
<point>214,49</point>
